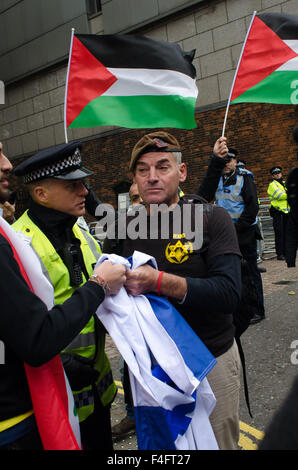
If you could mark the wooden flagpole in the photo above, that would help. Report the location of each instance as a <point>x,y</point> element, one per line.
<point>236,72</point>
<point>66,85</point>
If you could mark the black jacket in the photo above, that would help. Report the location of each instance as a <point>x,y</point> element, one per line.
<point>291,244</point>
<point>245,230</point>
<point>30,332</point>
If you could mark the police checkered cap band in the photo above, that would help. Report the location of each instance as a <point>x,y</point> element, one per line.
<point>60,167</point>
<point>276,170</point>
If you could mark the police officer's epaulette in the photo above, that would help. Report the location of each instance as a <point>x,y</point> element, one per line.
<point>243,172</point>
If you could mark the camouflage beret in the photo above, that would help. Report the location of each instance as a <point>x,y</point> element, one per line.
<point>159,141</point>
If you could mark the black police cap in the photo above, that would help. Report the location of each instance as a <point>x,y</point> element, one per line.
<point>232,153</point>
<point>275,169</point>
<point>62,162</point>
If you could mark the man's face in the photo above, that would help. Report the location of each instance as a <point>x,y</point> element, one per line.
<point>158,176</point>
<point>5,170</point>
<point>64,196</point>
<point>230,165</point>
<point>277,176</point>
<point>134,195</point>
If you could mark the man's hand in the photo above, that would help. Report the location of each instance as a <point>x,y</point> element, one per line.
<point>141,280</point>
<point>220,148</point>
<point>145,279</point>
<point>8,212</point>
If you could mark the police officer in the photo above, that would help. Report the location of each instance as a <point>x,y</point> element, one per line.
<point>68,253</point>
<point>234,189</point>
<point>279,209</point>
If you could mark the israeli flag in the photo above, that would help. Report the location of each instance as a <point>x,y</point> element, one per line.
<point>168,365</point>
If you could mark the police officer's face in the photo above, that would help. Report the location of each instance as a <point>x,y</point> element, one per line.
<point>61,195</point>
<point>5,170</point>
<point>230,165</point>
<point>277,175</point>
<point>158,176</point>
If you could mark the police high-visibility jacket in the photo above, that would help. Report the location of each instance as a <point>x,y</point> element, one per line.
<point>278,196</point>
<point>230,198</point>
<point>87,343</point>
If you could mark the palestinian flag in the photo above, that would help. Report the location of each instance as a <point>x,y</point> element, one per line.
<point>129,81</point>
<point>268,69</point>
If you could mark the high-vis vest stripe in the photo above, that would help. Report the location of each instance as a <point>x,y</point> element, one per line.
<point>278,196</point>
<point>87,343</point>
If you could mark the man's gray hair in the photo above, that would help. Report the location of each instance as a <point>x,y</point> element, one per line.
<point>178,157</point>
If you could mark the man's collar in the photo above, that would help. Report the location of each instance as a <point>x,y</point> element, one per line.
<point>51,218</point>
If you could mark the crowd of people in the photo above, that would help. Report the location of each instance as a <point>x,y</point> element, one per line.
<point>203,281</point>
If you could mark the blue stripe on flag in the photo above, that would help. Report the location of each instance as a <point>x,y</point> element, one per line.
<point>158,429</point>
<point>195,354</point>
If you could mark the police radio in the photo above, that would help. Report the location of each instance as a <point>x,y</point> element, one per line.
<point>71,259</point>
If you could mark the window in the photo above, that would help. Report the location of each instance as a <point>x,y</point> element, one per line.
<point>93,7</point>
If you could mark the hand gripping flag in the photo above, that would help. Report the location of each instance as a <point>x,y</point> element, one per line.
<point>51,395</point>
<point>129,81</point>
<point>168,365</point>
<point>267,70</point>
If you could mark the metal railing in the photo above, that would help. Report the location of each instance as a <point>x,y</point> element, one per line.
<point>266,247</point>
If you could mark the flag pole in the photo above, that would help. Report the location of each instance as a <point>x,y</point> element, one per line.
<point>236,72</point>
<point>66,85</point>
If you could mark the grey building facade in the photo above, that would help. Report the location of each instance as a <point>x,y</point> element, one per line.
<point>36,38</point>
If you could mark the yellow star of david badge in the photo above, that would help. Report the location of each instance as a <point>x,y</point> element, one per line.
<point>179,252</point>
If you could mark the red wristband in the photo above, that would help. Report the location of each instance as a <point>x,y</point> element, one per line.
<point>159,282</point>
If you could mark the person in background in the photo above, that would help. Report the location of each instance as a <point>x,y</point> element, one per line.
<point>7,209</point>
<point>134,195</point>
<point>234,190</point>
<point>279,209</point>
<point>241,165</point>
<point>292,224</point>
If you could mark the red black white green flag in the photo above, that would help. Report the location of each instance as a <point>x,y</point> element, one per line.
<point>129,81</point>
<point>268,68</point>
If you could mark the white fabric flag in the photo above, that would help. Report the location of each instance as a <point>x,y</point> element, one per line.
<point>168,365</point>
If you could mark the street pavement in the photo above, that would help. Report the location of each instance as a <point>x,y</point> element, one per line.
<point>271,352</point>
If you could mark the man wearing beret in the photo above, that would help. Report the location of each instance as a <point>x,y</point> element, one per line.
<point>279,209</point>
<point>68,253</point>
<point>202,281</point>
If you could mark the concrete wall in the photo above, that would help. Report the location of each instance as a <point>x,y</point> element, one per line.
<point>36,33</point>
<point>32,117</point>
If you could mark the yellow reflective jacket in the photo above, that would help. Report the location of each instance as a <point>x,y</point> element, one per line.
<point>87,343</point>
<point>278,196</point>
